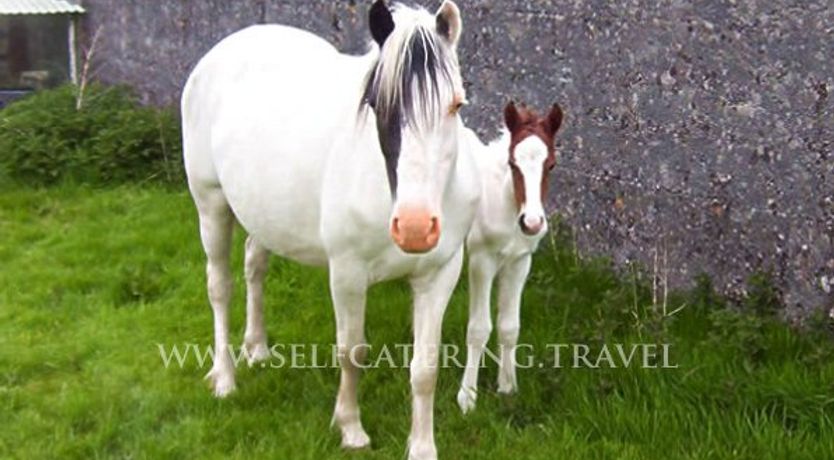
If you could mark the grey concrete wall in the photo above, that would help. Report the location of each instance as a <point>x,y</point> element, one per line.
<point>698,130</point>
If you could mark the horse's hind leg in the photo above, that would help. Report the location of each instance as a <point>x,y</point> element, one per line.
<point>216,226</point>
<point>254,340</point>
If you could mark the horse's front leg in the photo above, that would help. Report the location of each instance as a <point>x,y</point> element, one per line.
<point>482,270</point>
<point>511,281</point>
<point>431,295</point>
<point>348,286</point>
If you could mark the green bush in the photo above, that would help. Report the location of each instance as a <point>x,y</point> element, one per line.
<point>44,139</point>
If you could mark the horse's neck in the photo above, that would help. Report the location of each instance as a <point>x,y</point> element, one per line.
<point>495,170</point>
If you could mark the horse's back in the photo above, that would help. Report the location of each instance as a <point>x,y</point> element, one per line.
<point>232,82</point>
<point>260,112</point>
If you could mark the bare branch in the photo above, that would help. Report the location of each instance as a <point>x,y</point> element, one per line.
<point>85,69</point>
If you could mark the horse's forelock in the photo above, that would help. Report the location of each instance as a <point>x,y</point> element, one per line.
<point>404,86</point>
<point>413,66</point>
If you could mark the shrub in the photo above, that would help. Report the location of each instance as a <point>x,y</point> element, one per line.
<point>44,139</point>
<point>739,333</point>
<point>763,298</point>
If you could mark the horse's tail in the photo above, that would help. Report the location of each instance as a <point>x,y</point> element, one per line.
<point>196,129</point>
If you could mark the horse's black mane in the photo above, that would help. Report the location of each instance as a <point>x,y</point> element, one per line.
<point>425,67</point>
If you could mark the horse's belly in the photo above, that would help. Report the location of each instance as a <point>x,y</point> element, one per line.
<point>272,180</point>
<point>278,217</point>
<point>273,125</point>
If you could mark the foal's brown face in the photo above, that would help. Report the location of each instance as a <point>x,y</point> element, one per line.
<point>532,155</point>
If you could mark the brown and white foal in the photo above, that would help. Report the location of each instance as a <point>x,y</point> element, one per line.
<point>509,224</point>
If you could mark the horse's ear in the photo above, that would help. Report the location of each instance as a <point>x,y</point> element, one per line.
<point>511,117</point>
<point>553,120</point>
<point>380,21</point>
<point>448,22</point>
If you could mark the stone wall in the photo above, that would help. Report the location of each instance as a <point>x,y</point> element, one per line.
<point>699,133</point>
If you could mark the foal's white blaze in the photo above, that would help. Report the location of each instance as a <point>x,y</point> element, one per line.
<point>530,155</point>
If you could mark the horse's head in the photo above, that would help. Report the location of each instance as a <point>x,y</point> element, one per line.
<point>532,155</point>
<point>415,90</point>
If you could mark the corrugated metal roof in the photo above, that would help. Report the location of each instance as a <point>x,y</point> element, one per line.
<point>38,7</point>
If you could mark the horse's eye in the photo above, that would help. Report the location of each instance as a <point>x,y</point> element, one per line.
<point>456,106</point>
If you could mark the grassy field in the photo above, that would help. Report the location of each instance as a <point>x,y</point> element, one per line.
<point>91,281</point>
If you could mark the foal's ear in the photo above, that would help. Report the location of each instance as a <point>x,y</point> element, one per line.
<point>448,22</point>
<point>380,21</point>
<point>511,117</point>
<point>553,120</point>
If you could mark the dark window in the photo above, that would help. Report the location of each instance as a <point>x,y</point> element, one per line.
<point>33,51</point>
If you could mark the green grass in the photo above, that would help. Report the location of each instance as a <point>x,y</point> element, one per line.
<point>92,280</point>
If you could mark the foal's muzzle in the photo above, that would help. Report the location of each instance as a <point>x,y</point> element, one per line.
<point>530,226</point>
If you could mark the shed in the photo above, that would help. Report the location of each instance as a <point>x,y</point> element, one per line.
<point>37,44</point>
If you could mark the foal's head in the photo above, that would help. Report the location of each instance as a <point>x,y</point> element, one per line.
<point>415,91</point>
<point>532,156</point>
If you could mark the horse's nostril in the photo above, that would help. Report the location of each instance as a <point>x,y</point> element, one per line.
<point>434,231</point>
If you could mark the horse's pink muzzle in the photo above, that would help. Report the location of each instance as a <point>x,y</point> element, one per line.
<point>415,230</point>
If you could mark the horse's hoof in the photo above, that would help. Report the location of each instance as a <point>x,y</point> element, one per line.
<point>355,438</point>
<point>255,352</point>
<point>423,451</point>
<point>222,383</point>
<point>466,399</point>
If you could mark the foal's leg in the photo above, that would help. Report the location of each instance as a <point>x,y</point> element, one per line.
<point>431,295</point>
<point>510,286</point>
<point>255,266</point>
<point>348,286</point>
<point>482,269</point>
<point>216,226</point>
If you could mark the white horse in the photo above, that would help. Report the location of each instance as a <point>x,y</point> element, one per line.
<point>508,227</point>
<point>345,161</point>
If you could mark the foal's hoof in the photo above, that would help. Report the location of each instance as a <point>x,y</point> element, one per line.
<point>507,384</point>
<point>507,390</point>
<point>466,399</point>
<point>222,383</point>
<point>355,438</point>
<point>255,352</point>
